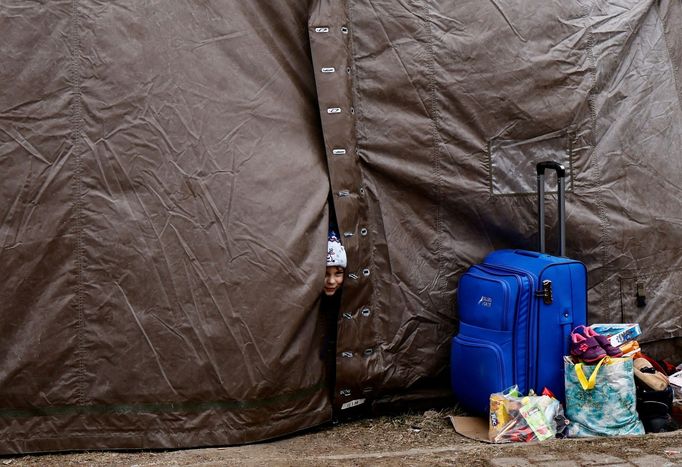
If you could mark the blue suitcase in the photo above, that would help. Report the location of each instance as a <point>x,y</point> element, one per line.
<point>516,310</point>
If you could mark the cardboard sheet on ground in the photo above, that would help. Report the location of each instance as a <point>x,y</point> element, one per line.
<point>475,428</point>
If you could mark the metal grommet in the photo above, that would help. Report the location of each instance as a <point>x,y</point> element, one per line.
<point>365,312</point>
<point>368,352</point>
<point>344,30</point>
<point>347,316</point>
<point>348,70</point>
<point>362,191</point>
<point>365,272</point>
<point>352,110</point>
<point>363,232</point>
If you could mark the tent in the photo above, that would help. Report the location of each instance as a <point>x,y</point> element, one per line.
<point>166,176</point>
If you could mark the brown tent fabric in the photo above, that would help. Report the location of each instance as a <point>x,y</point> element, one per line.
<point>163,225</point>
<point>166,169</point>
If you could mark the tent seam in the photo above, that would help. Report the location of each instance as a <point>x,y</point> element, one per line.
<point>164,407</point>
<point>437,142</point>
<point>76,139</point>
<point>598,200</point>
<point>170,432</point>
<point>670,59</point>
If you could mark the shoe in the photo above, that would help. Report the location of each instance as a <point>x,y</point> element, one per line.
<point>661,424</point>
<point>648,375</point>
<point>586,348</point>
<point>654,409</point>
<point>604,342</point>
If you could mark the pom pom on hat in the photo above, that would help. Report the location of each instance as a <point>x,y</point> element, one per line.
<point>336,254</point>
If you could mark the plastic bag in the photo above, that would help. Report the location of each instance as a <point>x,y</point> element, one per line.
<point>518,418</point>
<point>601,399</point>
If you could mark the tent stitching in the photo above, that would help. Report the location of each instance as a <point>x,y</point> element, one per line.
<point>166,407</point>
<point>76,141</point>
<point>436,150</point>
<point>670,59</point>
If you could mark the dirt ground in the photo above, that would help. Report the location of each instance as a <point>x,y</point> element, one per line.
<point>424,438</point>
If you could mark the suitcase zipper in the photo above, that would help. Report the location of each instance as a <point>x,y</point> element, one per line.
<point>532,318</point>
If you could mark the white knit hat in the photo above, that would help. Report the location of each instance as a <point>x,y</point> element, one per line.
<point>336,254</point>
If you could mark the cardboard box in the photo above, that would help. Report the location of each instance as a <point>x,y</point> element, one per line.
<point>618,333</point>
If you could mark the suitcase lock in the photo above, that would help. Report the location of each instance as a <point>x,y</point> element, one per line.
<point>546,292</point>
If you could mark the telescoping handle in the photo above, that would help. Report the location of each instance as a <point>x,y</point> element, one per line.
<point>561,179</point>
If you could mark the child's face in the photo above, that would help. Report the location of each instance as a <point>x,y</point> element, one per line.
<point>333,279</point>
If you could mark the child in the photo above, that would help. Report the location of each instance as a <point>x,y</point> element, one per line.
<point>330,304</point>
<point>336,264</point>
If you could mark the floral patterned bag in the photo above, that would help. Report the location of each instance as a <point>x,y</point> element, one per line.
<point>601,399</point>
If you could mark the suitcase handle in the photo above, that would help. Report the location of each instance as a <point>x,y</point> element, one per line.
<point>561,180</point>
<point>531,254</point>
<point>541,166</point>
